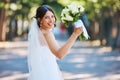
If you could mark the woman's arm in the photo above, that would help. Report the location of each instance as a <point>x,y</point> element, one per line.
<point>60,52</point>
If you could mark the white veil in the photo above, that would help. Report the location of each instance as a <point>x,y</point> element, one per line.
<point>35,42</point>
<point>33,33</point>
<point>32,42</point>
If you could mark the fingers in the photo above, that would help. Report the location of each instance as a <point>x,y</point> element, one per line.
<point>80,28</point>
<point>78,31</point>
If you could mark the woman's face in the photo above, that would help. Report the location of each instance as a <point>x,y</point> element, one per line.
<point>48,21</point>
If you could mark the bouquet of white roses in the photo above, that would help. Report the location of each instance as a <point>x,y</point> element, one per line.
<point>70,14</point>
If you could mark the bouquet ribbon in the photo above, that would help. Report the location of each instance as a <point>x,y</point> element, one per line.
<point>78,24</point>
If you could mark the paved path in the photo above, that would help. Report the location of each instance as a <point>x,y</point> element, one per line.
<point>84,62</point>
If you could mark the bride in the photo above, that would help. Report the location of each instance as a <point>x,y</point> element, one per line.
<point>43,49</point>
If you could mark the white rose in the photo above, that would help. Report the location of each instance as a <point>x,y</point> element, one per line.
<point>65,11</point>
<point>73,8</point>
<point>81,8</point>
<point>67,17</point>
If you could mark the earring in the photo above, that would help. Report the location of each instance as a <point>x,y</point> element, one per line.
<point>54,25</point>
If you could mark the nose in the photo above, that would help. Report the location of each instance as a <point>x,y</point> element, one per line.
<point>51,20</point>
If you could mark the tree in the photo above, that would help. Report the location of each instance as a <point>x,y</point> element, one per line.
<point>3,15</point>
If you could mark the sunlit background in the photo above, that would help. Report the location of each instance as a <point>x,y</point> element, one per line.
<point>95,59</point>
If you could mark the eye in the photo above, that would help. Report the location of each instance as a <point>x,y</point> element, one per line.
<point>52,16</point>
<point>46,17</point>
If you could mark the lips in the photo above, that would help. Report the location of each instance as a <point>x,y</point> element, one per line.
<point>50,24</point>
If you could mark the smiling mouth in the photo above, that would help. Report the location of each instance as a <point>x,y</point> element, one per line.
<point>50,24</point>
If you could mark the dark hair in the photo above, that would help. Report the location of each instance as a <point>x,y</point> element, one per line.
<point>41,11</point>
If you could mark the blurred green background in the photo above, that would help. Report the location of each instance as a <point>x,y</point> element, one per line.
<point>103,16</point>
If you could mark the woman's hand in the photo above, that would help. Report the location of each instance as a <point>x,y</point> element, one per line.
<point>77,31</point>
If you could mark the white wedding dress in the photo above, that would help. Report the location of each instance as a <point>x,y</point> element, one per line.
<point>41,62</point>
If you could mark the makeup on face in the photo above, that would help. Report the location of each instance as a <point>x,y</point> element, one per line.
<point>48,20</point>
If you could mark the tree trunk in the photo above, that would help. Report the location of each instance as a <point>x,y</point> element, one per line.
<point>117,43</point>
<point>2,25</point>
<point>118,39</point>
<point>3,14</point>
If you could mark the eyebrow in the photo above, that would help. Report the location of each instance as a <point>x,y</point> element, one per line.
<point>50,15</point>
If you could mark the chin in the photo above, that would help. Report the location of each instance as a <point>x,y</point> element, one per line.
<point>51,26</point>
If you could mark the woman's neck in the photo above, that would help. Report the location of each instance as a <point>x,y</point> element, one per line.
<point>45,30</point>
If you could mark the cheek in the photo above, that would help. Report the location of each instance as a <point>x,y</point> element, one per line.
<point>54,20</point>
<point>44,21</point>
